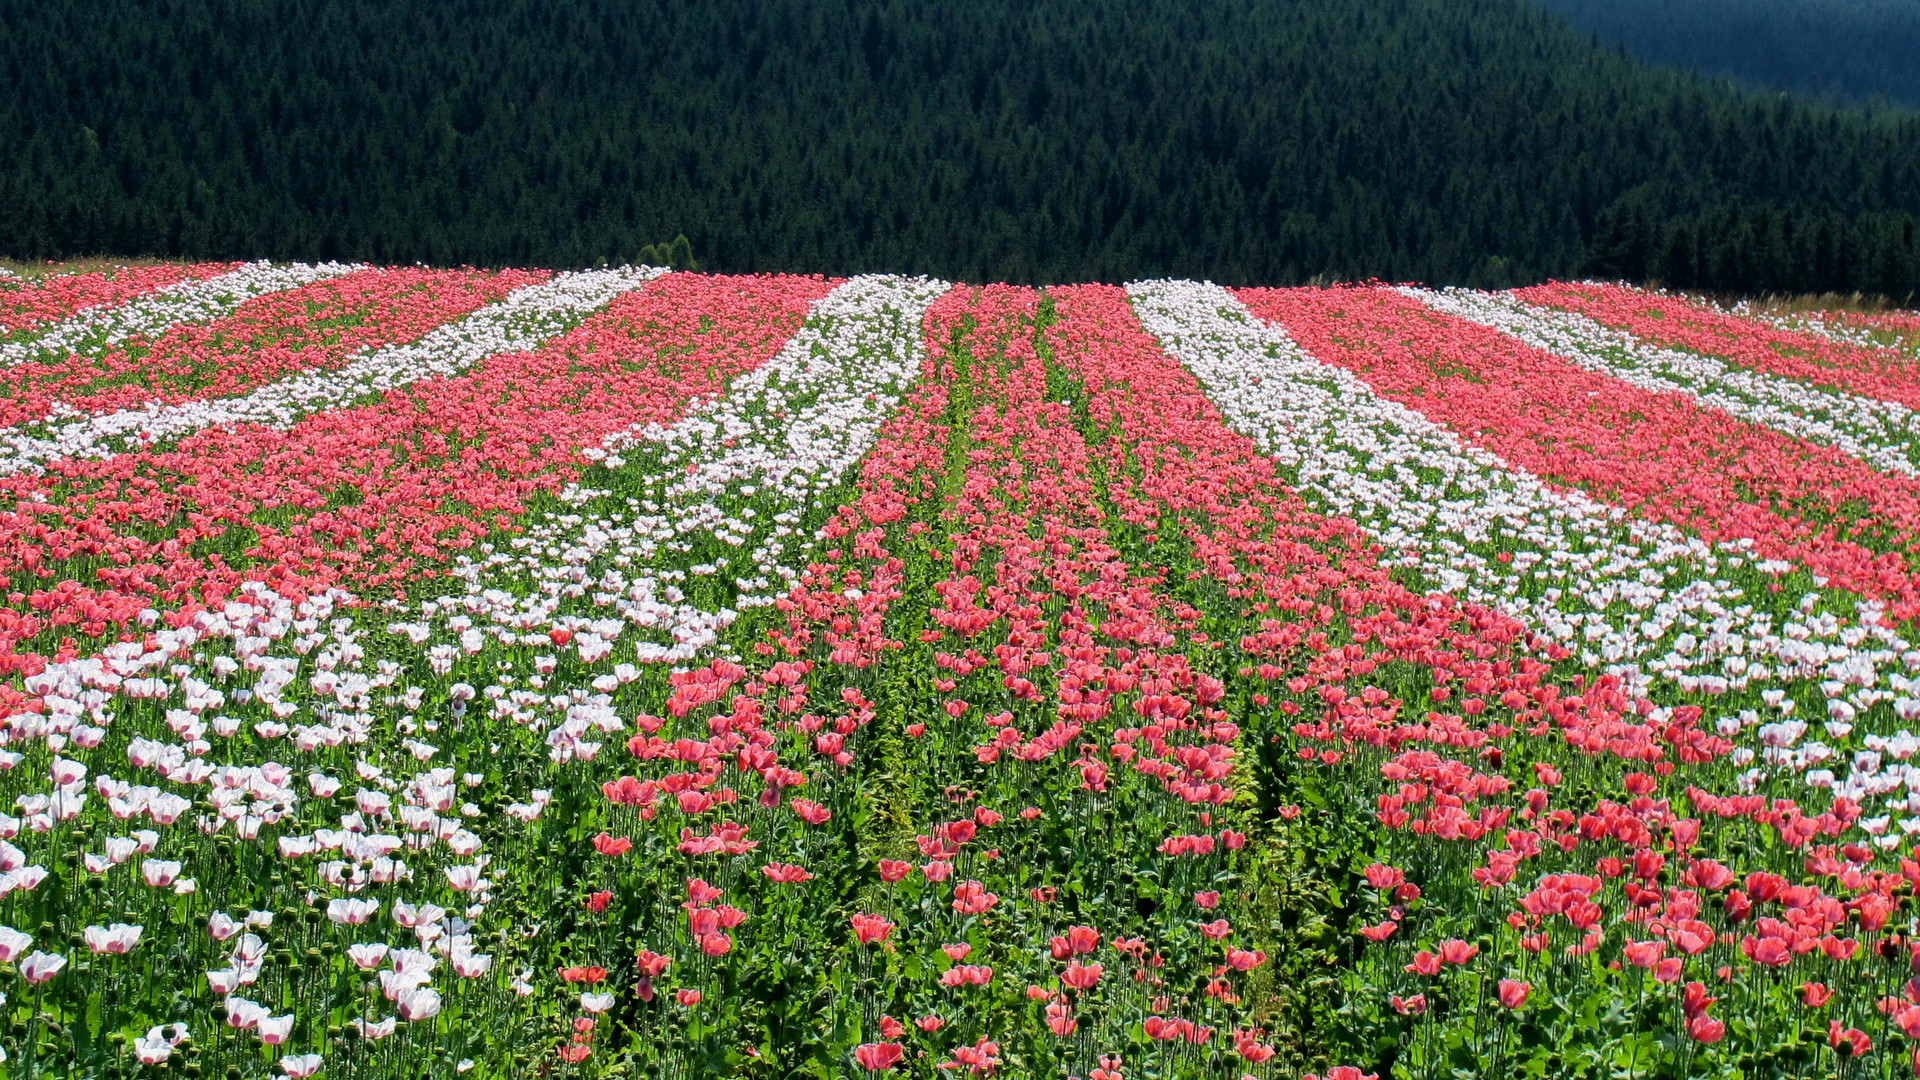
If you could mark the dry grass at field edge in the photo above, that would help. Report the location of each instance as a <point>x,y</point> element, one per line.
<point>1795,304</point>
<point>31,269</point>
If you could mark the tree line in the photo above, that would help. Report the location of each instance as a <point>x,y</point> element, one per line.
<point>1480,142</point>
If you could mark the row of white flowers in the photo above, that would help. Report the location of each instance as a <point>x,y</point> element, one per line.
<point>1638,599</point>
<point>741,471</point>
<point>265,680</point>
<point>711,515</point>
<point>1883,434</point>
<point>94,329</point>
<point>723,507</point>
<point>524,319</point>
<point>268,680</point>
<point>224,681</point>
<point>1805,322</point>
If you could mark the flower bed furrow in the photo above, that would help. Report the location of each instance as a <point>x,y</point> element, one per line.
<point>521,320</point>
<point>1660,456</point>
<point>421,788</point>
<point>92,331</point>
<point>27,304</point>
<point>1883,434</point>
<point>374,497</point>
<point>1467,942</point>
<point>775,676</point>
<point>1685,625</point>
<point>1673,322</point>
<point>313,328</point>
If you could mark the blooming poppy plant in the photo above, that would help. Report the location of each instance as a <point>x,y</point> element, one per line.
<point>543,663</point>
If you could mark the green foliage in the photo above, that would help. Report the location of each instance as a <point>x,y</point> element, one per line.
<point>1469,141</point>
<point>678,255</point>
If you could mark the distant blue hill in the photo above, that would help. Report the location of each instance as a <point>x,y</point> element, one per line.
<point>1846,50</point>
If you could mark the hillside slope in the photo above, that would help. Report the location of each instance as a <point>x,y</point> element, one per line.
<point>1478,141</point>
<point>1857,50</point>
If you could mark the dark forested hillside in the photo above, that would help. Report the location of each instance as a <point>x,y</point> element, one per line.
<point>1243,140</point>
<point>1842,49</point>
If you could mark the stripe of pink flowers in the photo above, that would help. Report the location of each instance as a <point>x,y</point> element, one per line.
<point>1905,324</point>
<point>1659,455</point>
<point>1748,343</point>
<point>1192,461</point>
<point>1177,465</point>
<point>430,469</point>
<point>32,303</point>
<point>267,338</point>
<point>844,595</point>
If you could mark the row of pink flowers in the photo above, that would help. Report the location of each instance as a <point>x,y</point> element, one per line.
<point>1608,862</point>
<point>426,471</point>
<point>839,607</point>
<point>1902,326</point>
<point>1023,533</point>
<point>1679,323</point>
<point>1904,323</point>
<point>1663,456</point>
<point>316,327</point>
<point>844,595</point>
<point>29,303</point>
<point>1037,540</point>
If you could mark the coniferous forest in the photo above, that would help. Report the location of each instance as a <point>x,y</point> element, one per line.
<point>1262,141</point>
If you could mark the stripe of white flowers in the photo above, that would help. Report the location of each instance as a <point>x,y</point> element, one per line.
<point>1884,434</point>
<point>1584,574</point>
<point>185,301</point>
<point>742,473</point>
<point>1642,599</point>
<point>1804,322</point>
<point>523,320</point>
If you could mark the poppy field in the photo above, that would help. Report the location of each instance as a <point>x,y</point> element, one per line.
<point>412,672</point>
